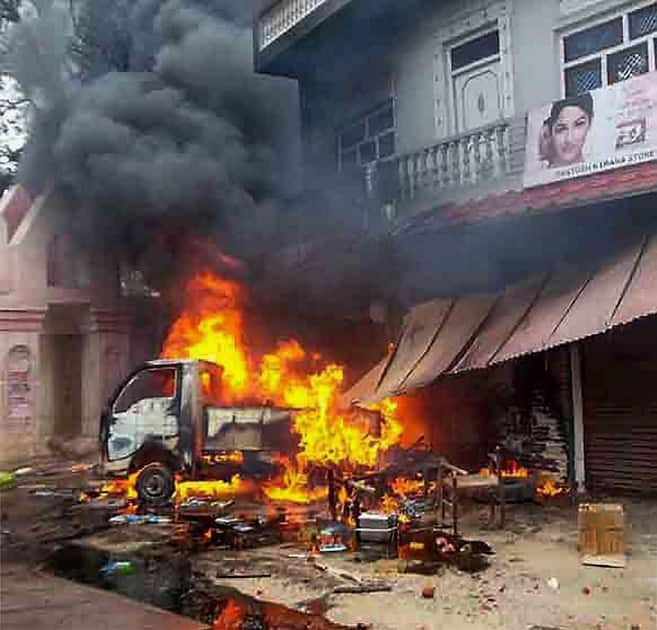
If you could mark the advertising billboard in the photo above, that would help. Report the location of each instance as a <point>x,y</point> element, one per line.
<point>592,132</point>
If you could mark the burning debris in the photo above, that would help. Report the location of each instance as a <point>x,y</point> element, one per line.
<point>212,329</point>
<point>543,484</point>
<point>254,449</point>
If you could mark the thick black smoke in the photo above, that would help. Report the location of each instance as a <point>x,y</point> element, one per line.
<point>185,140</point>
<point>168,135</point>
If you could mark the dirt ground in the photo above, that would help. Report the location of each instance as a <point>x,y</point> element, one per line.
<point>535,579</point>
<point>538,544</point>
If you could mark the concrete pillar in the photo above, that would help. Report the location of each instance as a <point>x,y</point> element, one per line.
<point>105,362</point>
<point>21,394</point>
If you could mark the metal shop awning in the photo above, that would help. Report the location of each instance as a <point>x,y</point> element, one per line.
<point>452,335</point>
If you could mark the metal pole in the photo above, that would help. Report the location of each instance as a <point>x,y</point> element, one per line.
<point>578,417</point>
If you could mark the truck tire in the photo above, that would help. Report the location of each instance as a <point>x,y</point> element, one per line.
<point>155,484</point>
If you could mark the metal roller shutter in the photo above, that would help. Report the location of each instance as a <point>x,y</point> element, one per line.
<point>620,409</point>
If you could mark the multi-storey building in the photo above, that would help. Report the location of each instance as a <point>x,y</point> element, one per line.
<point>508,149</point>
<point>64,329</point>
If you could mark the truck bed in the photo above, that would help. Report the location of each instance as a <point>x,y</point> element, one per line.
<point>248,429</point>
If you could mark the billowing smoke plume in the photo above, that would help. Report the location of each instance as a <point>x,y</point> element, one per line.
<point>183,139</point>
<point>155,126</point>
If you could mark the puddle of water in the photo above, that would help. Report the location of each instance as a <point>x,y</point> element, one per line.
<point>157,581</point>
<point>167,582</point>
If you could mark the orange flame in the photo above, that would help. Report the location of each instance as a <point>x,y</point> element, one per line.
<point>212,329</point>
<point>125,487</point>
<point>405,487</point>
<point>512,469</point>
<point>293,488</point>
<point>389,505</point>
<point>215,489</point>
<point>274,367</point>
<point>228,457</point>
<point>550,489</point>
<point>231,617</point>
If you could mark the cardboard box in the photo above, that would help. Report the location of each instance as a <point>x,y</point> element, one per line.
<point>602,534</point>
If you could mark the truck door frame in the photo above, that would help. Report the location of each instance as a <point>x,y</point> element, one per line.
<point>108,412</point>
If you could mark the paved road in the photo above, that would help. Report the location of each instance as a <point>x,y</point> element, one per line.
<point>30,600</point>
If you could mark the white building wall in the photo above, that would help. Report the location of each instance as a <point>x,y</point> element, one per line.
<point>535,49</point>
<point>414,70</point>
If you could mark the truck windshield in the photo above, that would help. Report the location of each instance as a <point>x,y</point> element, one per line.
<point>147,384</point>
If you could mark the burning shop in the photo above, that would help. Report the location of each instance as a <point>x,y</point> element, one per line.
<point>550,358</point>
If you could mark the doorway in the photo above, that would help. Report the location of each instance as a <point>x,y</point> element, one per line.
<point>67,384</point>
<point>477,97</point>
<point>476,68</point>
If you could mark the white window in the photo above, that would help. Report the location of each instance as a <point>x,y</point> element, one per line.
<point>369,138</point>
<point>612,50</point>
<point>475,68</point>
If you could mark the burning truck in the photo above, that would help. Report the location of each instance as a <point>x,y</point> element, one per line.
<point>208,410</point>
<point>211,418</point>
<point>167,418</point>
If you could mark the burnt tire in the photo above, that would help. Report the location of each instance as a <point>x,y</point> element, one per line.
<point>155,484</point>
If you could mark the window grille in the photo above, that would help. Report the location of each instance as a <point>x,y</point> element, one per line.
<point>628,63</point>
<point>368,139</point>
<point>380,121</point>
<point>643,21</point>
<point>616,50</point>
<point>353,135</point>
<point>387,145</point>
<point>583,78</point>
<point>367,152</point>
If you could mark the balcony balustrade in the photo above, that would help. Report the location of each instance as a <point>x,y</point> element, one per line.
<point>282,17</point>
<point>465,160</point>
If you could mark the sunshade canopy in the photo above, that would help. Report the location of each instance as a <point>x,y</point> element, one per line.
<point>452,335</point>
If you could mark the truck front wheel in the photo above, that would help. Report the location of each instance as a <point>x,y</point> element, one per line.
<point>155,484</point>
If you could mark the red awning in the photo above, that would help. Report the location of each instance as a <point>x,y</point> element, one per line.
<point>616,184</point>
<point>448,336</point>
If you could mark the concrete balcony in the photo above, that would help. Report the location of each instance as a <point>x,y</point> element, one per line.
<point>294,37</point>
<point>484,161</point>
<point>280,28</point>
<point>282,17</point>
<point>465,160</point>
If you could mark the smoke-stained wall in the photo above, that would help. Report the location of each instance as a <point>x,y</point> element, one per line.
<point>410,62</point>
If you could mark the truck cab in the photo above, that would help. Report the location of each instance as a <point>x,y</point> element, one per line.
<point>167,418</point>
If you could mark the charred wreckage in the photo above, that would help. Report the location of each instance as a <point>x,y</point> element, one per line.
<point>191,440</point>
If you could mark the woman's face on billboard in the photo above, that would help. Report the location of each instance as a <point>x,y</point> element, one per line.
<point>569,133</point>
